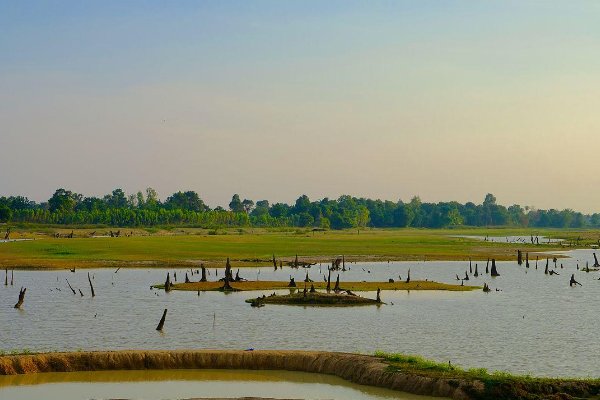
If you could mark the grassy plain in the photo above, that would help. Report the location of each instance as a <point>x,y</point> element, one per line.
<point>251,247</point>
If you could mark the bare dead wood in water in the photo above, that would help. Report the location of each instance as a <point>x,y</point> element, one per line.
<point>476,274</point>
<point>329,282</point>
<point>21,298</point>
<point>161,324</point>
<point>307,279</point>
<point>168,283</point>
<point>312,289</point>
<point>187,279</point>
<point>596,264</point>
<point>546,270</point>
<point>527,260</point>
<point>12,277</point>
<point>274,262</point>
<point>292,282</point>
<point>573,282</point>
<point>203,279</point>
<point>408,276</point>
<point>91,286</point>
<point>470,266</point>
<point>6,277</point>
<point>378,295</point>
<point>336,288</point>
<point>70,287</point>
<point>487,266</point>
<point>519,257</point>
<point>296,262</point>
<point>466,278</point>
<point>494,270</point>
<point>80,292</point>
<point>486,288</point>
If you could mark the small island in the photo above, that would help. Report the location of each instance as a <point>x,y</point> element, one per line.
<point>314,298</point>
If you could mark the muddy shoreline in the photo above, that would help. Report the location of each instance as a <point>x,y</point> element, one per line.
<point>360,369</point>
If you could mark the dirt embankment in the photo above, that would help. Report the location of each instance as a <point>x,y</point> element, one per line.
<point>361,369</point>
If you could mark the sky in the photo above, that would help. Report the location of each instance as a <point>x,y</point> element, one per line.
<point>448,100</point>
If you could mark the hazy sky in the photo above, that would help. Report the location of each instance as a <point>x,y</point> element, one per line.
<point>449,100</point>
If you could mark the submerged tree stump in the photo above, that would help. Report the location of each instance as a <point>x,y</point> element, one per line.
<point>91,286</point>
<point>476,274</point>
<point>161,324</point>
<point>408,276</point>
<point>527,260</point>
<point>274,262</point>
<point>487,266</point>
<point>292,282</point>
<point>187,279</point>
<point>547,263</point>
<point>337,284</point>
<point>378,295</point>
<point>329,282</point>
<point>312,289</point>
<point>168,283</point>
<point>494,270</point>
<point>573,282</point>
<point>21,298</point>
<point>203,279</point>
<point>519,257</point>
<point>596,264</point>
<point>70,287</point>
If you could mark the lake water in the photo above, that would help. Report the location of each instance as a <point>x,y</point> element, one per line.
<point>184,384</point>
<point>536,324</point>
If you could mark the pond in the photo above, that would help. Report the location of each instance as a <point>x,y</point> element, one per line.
<point>536,324</point>
<point>185,384</point>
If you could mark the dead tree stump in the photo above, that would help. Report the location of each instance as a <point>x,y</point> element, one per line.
<point>336,288</point>
<point>203,274</point>
<point>494,270</point>
<point>162,321</point>
<point>91,286</point>
<point>21,298</point>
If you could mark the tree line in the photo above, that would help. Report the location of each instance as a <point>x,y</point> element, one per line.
<point>188,209</point>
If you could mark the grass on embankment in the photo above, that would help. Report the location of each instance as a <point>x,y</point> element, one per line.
<point>353,286</point>
<point>252,247</point>
<point>496,385</point>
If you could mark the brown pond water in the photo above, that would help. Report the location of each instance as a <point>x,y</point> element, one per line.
<point>184,384</point>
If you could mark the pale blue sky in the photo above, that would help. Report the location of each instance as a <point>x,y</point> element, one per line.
<point>272,99</point>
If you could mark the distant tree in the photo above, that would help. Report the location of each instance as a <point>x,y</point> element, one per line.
<point>5,213</point>
<point>235,204</point>
<point>248,205</point>
<point>151,202</point>
<point>117,199</point>
<point>189,201</point>
<point>302,205</point>
<point>279,210</point>
<point>64,200</point>
<point>262,208</point>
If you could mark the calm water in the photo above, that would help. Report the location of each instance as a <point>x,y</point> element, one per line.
<point>182,384</point>
<point>536,324</point>
<point>513,239</point>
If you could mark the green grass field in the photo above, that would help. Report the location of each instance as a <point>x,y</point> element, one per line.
<point>190,247</point>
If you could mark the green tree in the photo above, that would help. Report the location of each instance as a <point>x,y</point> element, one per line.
<point>63,200</point>
<point>5,213</point>
<point>235,204</point>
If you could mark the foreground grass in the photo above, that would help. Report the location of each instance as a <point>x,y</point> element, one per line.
<point>251,247</point>
<point>496,385</point>
<point>353,286</point>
